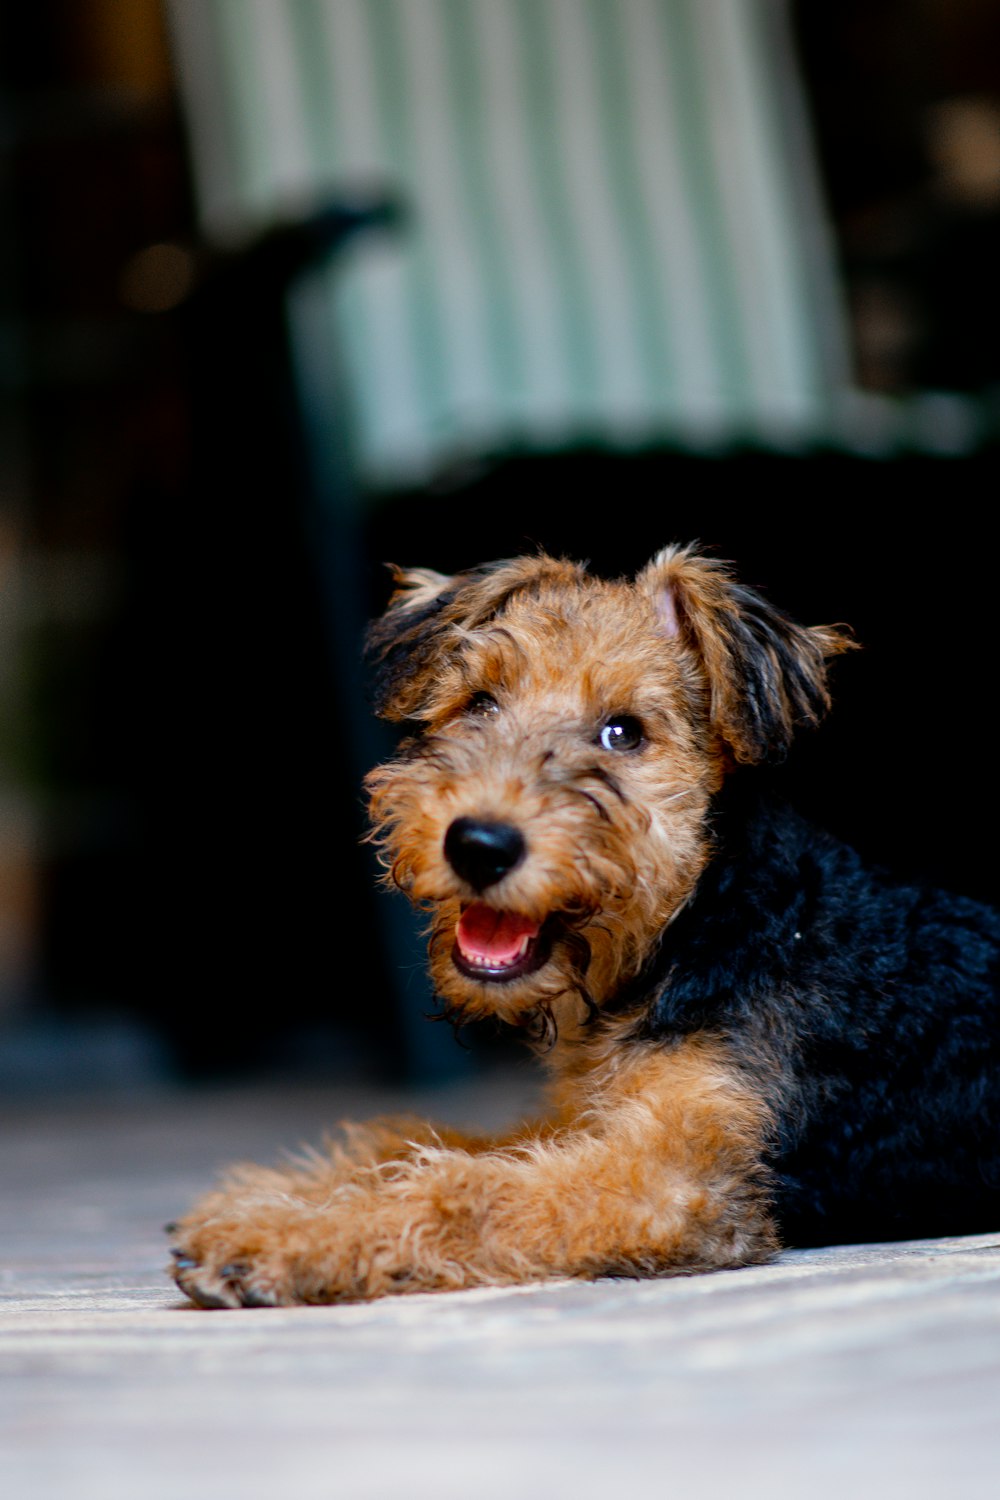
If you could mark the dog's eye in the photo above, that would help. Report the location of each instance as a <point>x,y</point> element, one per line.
<point>623,732</point>
<point>482,705</point>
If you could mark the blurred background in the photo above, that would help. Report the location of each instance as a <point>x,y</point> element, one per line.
<point>289,288</point>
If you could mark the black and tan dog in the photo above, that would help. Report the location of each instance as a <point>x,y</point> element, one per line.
<point>753,1039</point>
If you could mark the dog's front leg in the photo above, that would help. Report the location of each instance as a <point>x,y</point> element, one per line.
<point>660,1174</point>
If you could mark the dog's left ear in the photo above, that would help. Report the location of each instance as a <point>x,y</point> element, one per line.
<point>765,674</point>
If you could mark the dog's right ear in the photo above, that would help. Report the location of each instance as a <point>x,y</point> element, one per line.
<point>406,635</point>
<point>430,614</point>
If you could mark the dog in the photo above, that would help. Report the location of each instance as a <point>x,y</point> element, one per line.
<point>753,1039</point>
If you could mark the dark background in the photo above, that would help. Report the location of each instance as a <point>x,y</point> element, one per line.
<point>187,735</point>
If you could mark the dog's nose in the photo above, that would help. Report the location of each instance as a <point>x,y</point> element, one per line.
<point>482,853</point>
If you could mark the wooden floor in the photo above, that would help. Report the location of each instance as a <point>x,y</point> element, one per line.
<point>844,1372</point>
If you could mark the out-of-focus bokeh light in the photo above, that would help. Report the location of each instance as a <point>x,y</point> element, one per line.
<point>158,278</point>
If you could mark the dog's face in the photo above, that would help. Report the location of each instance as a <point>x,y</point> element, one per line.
<point>550,811</point>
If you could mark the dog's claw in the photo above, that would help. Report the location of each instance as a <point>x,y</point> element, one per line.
<point>251,1298</point>
<point>203,1298</point>
<point>185,1273</point>
<point>233,1273</point>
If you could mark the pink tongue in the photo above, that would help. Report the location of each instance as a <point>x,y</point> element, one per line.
<point>495,936</point>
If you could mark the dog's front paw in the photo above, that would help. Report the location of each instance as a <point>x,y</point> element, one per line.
<point>269,1256</point>
<point>231,1285</point>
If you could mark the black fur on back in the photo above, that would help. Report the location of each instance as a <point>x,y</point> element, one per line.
<point>867,1012</point>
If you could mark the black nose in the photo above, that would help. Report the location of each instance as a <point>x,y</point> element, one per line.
<point>482,853</point>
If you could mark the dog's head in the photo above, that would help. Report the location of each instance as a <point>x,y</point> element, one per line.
<point>550,807</point>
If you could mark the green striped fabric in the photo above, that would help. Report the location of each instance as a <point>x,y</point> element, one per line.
<point>616,231</point>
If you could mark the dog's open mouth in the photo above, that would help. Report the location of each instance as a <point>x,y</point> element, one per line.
<point>498,945</point>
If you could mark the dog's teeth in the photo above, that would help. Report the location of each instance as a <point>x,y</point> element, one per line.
<point>480,961</point>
